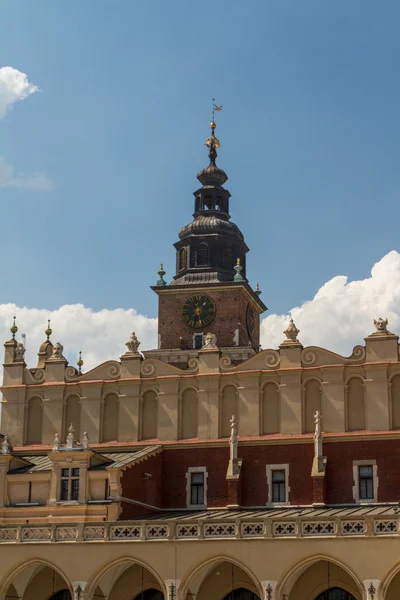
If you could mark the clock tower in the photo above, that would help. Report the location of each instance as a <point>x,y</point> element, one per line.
<point>209,292</point>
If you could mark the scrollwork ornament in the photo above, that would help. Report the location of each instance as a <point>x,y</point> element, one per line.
<point>272,358</point>
<point>193,364</point>
<point>147,368</point>
<point>308,357</point>
<point>114,371</point>
<point>70,373</point>
<point>38,375</point>
<point>225,362</point>
<point>358,353</point>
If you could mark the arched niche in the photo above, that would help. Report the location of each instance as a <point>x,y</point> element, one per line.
<point>318,577</point>
<point>312,404</point>
<point>270,409</point>
<point>34,421</point>
<point>395,401</point>
<point>110,418</point>
<point>189,414</point>
<point>149,417</point>
<point>222,580</point>
<point>72,415</point>
<point>229,408</point>
<point>336,593</point>
<point>355,404</point>
<point>126,580</point>
<point>38,581</point>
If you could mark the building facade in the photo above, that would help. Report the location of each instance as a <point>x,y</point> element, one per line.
<point>208,468</point>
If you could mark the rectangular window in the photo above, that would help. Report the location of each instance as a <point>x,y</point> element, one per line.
<point>198,341</point>
<point>366,482</point>
<point>197,489</point>
<point>279,486</point>
<point>69,484</point>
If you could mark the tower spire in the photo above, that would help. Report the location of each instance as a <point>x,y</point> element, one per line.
<point>213,142</point>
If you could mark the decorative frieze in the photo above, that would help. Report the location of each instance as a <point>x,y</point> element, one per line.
<point>316,528</point>
<point>198,530</point>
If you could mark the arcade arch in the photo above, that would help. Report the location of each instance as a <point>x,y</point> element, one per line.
<point>126,580</point>
<point>321,578</point>
<point>37,580</point>
<point>221,579</point>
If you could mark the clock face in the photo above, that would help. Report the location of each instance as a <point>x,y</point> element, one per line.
<point>198,311</point>
<point>250,320</point>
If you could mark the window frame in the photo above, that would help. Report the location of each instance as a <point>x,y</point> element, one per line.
<point>70,480</point>
<point>270,470</point>
<point>196,336</point>
<point>356,481</point>
<point>192,471</point>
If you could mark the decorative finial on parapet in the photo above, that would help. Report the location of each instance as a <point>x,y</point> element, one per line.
<point>5,446</point>
<point>49,330</point>
<point>70,438</point>
<point>133,344</point>
<point>238,268</point>
<point>233,440</point>
<point>56,443</point>
<point>14,328</point>
<point>161,274</point>
<point>210,340</point>
<point>80,363</point>
<point>57,352</point>
<point>258,291</point>
<point>381,326</point>
<point>291,332</point>
<point>85,441</point>
<point>19,352</point>
<point>317,435</point>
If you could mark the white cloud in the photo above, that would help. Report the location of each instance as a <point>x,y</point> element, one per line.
<point>9,178</point>
<point>341,313</point>
<point>14,86</point>
<point>338,317</point>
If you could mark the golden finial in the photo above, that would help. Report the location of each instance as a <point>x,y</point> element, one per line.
<point>238,261</point>
<point>13,329</point>
<point>79,362</point>
<point>48,331</point>
<point>213,142</point>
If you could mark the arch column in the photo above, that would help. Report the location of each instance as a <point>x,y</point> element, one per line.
<point>269,588</point>
<point>372,589</point>
<point>78,588</point>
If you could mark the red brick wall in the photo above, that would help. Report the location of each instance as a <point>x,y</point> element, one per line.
<point>135,485</point>
<point>231,308</point>
<point>167,487</point>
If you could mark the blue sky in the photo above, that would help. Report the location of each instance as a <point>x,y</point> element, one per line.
<point>310,136</point>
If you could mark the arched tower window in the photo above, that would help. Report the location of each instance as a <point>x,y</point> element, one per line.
<point>227,257</point>
<point>182,259</point>
<point>110,418</point>
<point>355,405</point>
<point>312,403</point>
<point>202,255</point>
<point>34,421</point>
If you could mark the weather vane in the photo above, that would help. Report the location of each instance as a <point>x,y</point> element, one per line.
<point>213,142</point>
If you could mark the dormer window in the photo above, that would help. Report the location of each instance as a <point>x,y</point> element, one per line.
<point>202,255</point>
<point>69,484</point>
